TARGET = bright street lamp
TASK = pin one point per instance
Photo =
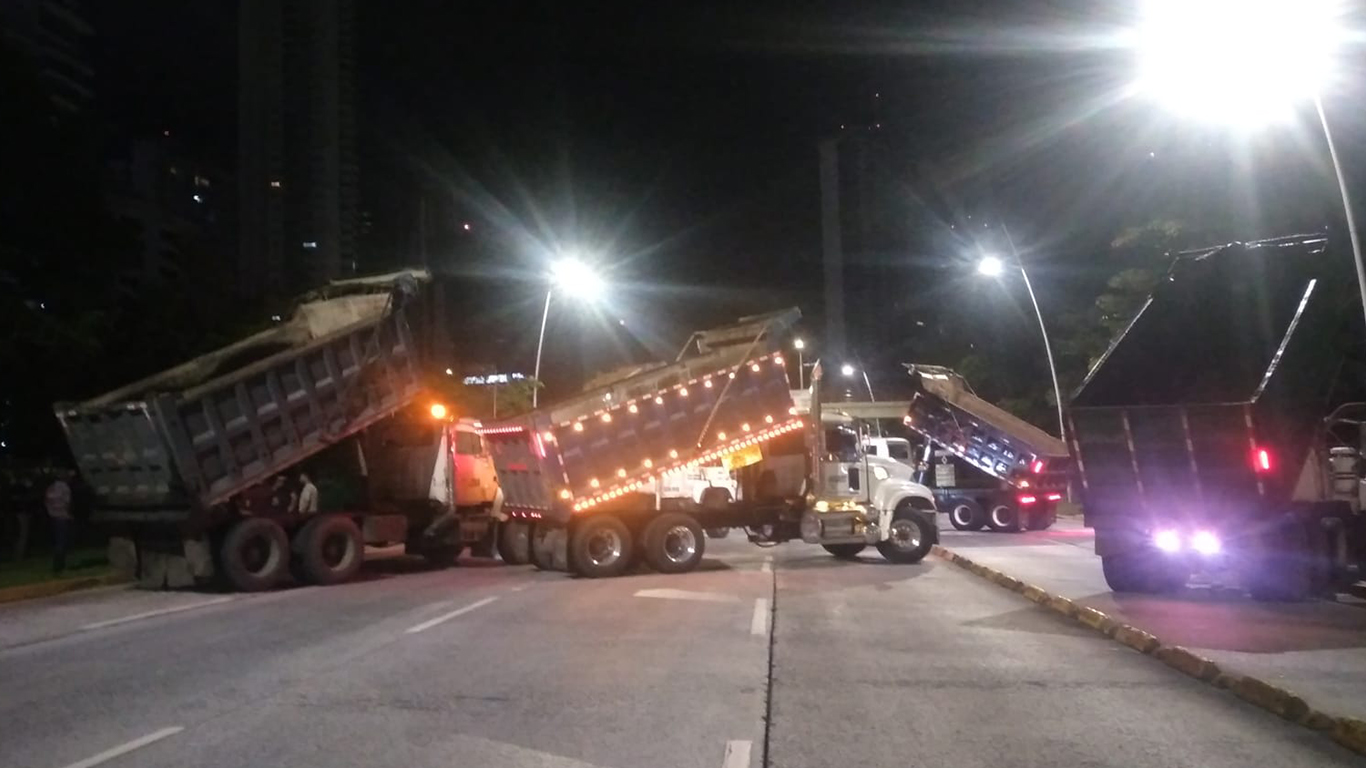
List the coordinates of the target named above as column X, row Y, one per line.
column 1246, row 63
column 992, row 266
column 575, row 279
column 800, row 345
column 847, row 369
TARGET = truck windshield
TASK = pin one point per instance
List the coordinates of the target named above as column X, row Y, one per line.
column 898, row 449
column 468, row 444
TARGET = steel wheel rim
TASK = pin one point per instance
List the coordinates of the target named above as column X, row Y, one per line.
column 962, row 515
column 604, row 548
column 680, row 544
column 1001, row 520
column 904, row 534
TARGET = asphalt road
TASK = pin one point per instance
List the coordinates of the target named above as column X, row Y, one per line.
column 1315, row 648
column 798, row 661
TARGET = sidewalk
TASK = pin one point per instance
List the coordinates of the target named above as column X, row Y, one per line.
column 1315, row 649
column 33, row 577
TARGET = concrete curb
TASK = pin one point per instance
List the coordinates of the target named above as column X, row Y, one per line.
column 60, row 587
column 1347, row 731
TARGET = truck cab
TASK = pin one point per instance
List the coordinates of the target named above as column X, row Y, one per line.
column 894, row 448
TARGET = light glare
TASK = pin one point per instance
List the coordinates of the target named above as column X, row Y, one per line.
column 1168, row 541
column 991, row 266
column 577, row 279
column 1240, row 62
column 1205, row 543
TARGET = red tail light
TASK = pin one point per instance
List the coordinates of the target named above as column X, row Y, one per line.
column 1028, row 499
column 1037, row 466
column 1054, row 497
column 1262, row 461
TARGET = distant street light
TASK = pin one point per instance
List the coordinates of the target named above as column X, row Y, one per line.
column 847, row 369
column 992, row 266
column 575, row 279
column 1247, row 63
column 800, row 345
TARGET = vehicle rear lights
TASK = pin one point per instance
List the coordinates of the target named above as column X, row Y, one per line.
column 1028, row 499
column 1037, row 466
column 1167, row 541
column 1054, row 497
column 1205, row 543
column 1261, row 460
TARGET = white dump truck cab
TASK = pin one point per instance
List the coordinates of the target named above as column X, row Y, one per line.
column 894, row 448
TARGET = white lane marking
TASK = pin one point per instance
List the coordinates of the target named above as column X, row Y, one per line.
column 767, row 567
column 448, row 616
column 158, row 612
column 123, row 749
column 758, row 624
column 683, row 594
column 737, row 754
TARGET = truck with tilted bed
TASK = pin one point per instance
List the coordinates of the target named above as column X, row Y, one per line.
column 1221, row 433
column 582, row 473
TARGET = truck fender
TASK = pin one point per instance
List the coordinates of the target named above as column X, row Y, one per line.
column 890, row 495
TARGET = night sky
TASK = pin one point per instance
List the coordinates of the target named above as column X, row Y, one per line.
column 675, row 144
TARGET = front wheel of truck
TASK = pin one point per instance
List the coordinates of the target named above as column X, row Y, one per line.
column 254, row 554
column 600, row 546
column 909, row 537
column 673, row 543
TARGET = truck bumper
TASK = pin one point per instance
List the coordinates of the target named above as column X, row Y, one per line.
column 838, row 527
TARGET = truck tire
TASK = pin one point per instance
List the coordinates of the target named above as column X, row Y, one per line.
column 1142, row 572
column 910, row 537
column 673, row 543
column 254, row 554
column 966, row 514
column 540, row 551
column 1004, row 518
column 1042, row 522
column 845, row 551
column 718, row 533
column 513, row 543
column 1288, row 564
column 328, row 550
column 600, row 546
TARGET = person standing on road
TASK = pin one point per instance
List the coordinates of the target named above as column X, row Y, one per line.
column 57, row 499
column 308, row 495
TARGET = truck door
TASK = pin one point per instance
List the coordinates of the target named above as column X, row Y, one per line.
column 476, row 482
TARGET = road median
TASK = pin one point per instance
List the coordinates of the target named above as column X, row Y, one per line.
column 1346, row 731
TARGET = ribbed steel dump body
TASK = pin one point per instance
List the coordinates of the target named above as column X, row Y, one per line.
column 728, row 395
column 1234, row 354
column 192, row 436
column 945, row 410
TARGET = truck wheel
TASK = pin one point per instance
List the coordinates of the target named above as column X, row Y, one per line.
column 1286, row 568
column 909, row 537
column 718, row 533
column 845, row 551
column 1004, row 518
column 966, row 515
column 600, row 546
column 255, row 554
column 1142, row 572
column 673, row 543
column 328, row 550
column 513, row 543
column 539, row 549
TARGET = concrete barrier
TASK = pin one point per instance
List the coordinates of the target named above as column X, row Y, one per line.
column 1346, row 731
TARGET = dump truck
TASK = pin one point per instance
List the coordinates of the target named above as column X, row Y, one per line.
column 1221, row 432
column 193, row 470
column 987, row 466
column 582, row 473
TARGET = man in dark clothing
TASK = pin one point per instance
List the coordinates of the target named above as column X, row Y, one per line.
column 57, row 499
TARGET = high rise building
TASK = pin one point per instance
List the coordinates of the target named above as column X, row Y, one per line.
column 56, row 35
column 297, row 177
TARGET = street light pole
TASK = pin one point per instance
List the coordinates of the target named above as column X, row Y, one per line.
column 1346, row 201
column 800, row 345
column 540, row 343
column 1043, row 330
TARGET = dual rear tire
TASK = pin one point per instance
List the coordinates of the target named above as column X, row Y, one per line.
column 603, row 545
column 257, row 554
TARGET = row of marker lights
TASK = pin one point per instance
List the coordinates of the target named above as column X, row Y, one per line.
column 606, row 416
column 710, row 456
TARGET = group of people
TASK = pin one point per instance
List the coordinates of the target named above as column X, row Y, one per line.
column 26, row 496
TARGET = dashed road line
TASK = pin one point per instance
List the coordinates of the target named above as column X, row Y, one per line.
column 737, row 754
column 448, row 616
column 158, row 612
column 758, row 623
column 687, row 594
column 126, row 747
column 767, row 567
